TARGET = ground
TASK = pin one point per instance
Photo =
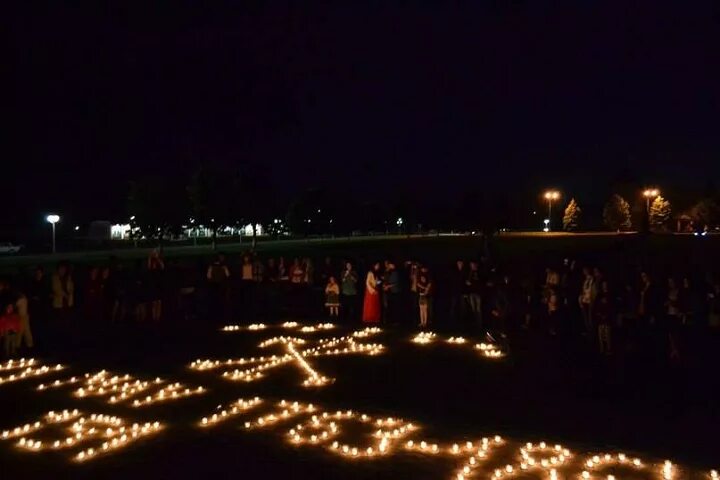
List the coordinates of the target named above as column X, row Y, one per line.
column 540, row 391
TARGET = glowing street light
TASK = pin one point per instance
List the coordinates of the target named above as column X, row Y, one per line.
column 52, row 219
column 649, row 193
column 551, row 195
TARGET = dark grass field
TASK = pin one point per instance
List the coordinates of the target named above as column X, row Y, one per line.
column 521, row 252
column 542, row 391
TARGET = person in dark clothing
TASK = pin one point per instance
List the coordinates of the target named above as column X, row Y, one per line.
column 155, row 284
column 218, row 276
column 327, row 270
column 349, row 293
column 391, row 289
column 271, row 272
column 117, row 292
column 458, row 288
column 39, row 296
column 604, row 318
column 474, row 288
column 500, row 306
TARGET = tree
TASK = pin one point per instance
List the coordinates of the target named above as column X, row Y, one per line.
column 212, row 197
column 571, row 219
column 253, row 184
column 157, row 206
column 659, row 213
column 616, row 214
column 705, row 213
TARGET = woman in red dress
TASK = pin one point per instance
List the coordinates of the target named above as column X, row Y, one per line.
column 371, row 306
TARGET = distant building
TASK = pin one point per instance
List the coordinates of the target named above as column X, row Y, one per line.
column 124, row 231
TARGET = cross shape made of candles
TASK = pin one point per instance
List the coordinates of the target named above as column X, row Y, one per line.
column 255, row 367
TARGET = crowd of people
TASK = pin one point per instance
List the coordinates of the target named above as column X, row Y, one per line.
column 611, row 312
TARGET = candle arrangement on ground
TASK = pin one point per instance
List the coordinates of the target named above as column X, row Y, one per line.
column 294, row 353
column 423, row 338
column 119, row 388
column 238, row 407
column 487, row 350
column 110, row 431
column 254, row 327
column 345, row 433
column 23, row 369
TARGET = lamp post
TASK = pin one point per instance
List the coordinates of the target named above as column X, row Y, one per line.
column 550, row 195
column 649, row 193
column 52, row 219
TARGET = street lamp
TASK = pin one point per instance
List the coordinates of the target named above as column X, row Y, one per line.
column 551, row 195
column 648, row 194
column 547, row 225
column 52, row 219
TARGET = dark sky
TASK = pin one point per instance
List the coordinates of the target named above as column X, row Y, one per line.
column 437, row 97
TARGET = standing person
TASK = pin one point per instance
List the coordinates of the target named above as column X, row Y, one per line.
column 271, row 272
column 430, row 292
column 627, row 309
column 155, row 266
column 9, row 328
column 297, row 273
column 413, row 272
column 604, row 315
column 247, row 288
column 690, row 303
column 473, row 287
column 424, row 286
column 552, row 280
column 218, row 276
column 106, row 284
column 119, row 290
column 246, row 270
column 258, row 297
column 309, row 276
column 392, row 292
column 326, row 271
column 570, row 283
column 553, row 311
column 587, row 300
column 500, row 306
column 332, row 297
column 713, row 305
column 349, row 292
column 94, row 296
column 24, row 334
column 258, row 270
column 646, row 303
column 371, row 305
column 458, row 290
column 282, row 270
column 673, row 318
column 63, row 291
column 39, row 295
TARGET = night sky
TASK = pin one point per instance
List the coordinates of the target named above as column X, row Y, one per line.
column 386, row 99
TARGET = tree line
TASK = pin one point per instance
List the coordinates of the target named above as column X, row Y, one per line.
column 617, row 215
column 218, row 196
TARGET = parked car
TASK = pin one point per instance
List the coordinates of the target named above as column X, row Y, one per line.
column 7, row 248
